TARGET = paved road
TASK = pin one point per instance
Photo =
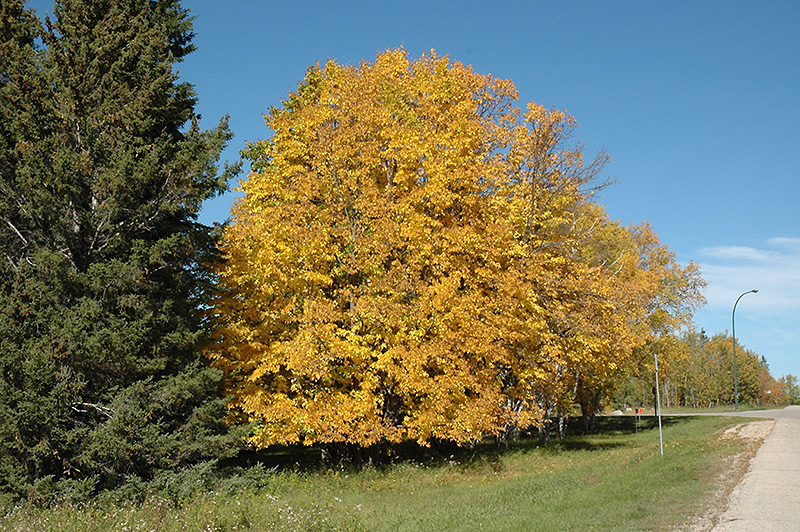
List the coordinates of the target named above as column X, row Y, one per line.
column 768, row 497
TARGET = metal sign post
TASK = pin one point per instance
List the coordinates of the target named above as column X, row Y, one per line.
column 658, row 408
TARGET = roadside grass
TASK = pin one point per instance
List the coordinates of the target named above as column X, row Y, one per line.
column 613, row 481
column 743, row 408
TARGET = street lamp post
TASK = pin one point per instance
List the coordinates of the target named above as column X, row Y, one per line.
column 733, row 332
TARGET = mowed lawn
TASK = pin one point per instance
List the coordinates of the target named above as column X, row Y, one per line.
column 616, row 480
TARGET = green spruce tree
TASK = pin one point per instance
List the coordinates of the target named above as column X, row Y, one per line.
column 103, row 169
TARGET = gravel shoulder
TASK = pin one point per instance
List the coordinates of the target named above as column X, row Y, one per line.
column 732, row 472
column 759, row 489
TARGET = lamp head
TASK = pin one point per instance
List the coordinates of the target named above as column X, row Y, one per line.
column 754, row 291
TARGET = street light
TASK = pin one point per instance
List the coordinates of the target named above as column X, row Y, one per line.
column 733, row 332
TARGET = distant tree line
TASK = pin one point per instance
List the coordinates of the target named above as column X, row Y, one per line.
column 697, row 372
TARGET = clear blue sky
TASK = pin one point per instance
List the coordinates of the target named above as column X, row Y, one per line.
column 697, row 102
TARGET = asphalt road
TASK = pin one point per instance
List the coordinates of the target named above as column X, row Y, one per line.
column 768, row 497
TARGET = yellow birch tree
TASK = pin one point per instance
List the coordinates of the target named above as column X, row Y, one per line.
column 417, row 258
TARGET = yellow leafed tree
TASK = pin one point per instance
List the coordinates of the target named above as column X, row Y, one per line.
column 409, row 261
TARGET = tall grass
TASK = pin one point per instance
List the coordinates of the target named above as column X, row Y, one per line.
column 615, row 481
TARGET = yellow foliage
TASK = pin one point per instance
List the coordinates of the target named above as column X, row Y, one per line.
column 416, row 258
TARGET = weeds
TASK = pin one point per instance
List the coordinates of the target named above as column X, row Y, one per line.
column 612, row 481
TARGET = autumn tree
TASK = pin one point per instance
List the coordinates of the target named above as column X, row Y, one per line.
column 699, row 373
column 356, row 303
column 417, row 258
column 789, row 390
column 602, row 291
column 103, row 168
column 667, row 294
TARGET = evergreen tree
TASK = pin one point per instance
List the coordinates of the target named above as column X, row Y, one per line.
column 103, row 168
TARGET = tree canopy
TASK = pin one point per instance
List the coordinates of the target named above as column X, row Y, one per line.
column 415, row 257
column 103, row 168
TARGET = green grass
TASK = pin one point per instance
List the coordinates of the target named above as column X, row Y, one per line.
column 612, row 481
column 719, row 409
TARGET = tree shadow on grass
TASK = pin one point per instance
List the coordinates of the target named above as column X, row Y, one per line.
column 631, row 424
column 608, row 435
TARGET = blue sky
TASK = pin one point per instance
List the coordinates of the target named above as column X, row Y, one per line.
column 698, row 104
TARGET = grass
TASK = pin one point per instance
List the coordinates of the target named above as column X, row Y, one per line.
column 613, row 481
column 719, row 409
